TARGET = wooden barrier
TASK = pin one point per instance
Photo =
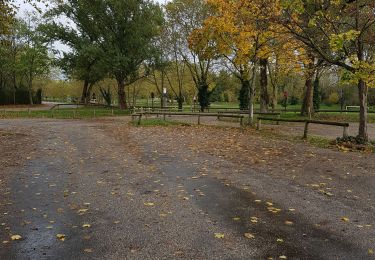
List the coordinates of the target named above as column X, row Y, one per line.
column 199, row 115
column 307, row 122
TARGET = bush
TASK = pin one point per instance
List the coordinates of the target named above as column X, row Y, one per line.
column 334, row 98
column 294, row 100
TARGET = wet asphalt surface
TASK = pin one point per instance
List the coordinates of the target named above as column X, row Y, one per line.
column 121, row 192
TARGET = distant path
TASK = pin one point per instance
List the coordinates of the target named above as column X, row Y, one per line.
column 121, row 192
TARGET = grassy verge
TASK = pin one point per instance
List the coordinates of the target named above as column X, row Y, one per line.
column 67, row 113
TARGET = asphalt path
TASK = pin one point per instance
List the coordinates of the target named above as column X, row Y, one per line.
column 102, row 189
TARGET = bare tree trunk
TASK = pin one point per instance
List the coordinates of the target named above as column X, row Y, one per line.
column 307, row 108
column 121, row 94
column 251, row 96
column 84, row 92
column 30, row 92
column 362, row 91
column 264, row 99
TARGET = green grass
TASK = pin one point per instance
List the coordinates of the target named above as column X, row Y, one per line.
column 68, row 113
column 158, row 122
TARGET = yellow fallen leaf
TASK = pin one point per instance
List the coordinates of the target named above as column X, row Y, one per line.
column 236, row 219
column 345, row 219
column 292, row 210
column 82, row 210
column 16, row 237
column 249, row 235
column 258, row 201
column 116, row 222
column 289, row 223
column 370, row 251
column 282, row 257
column 269, row 203
column 88, row 250
column 149, row 204
column 86, row 225
column 254, row 220
column 219, row 235
column 61, row 237
column 280, row 240
column 5, row 242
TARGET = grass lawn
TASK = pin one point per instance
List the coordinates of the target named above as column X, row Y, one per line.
column 67, row 113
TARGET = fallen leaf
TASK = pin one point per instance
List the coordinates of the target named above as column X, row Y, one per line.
column 345, row 219
column 289, row 223
column 61, row 237
column 149, row 204
column 86, row 225
column 249, row 235
column 16, row 237
column 88, row 250
column 282, row 257
column 219, row 235
column 280, row 240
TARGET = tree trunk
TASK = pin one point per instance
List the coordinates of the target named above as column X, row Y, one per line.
column 84, row 92
column 362, row 91
column 244, row 94
column 264, row 99
column 203, row 95
column 251, row 96
column 180, row 100
column 31, row 92
column 88, row 94
column 121, row 94
column 307, row 108
column 274, row 98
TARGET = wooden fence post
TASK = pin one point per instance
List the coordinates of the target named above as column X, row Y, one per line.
column 259, row 124
column 199, row 119
column 306, row 130
column 139, row 119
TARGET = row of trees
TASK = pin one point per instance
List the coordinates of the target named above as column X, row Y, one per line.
column 261, row 42
column 23, row 57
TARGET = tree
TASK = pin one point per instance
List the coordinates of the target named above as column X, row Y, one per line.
column 127, row 30
column 184, row 17
column 243, row 34
column 342, row 33
column 85, row 59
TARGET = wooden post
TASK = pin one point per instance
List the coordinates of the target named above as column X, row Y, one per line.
column 241, row 121
column 139, row 119
column 112, row 111
column 306, row 130
column 259, row 124
column 164, row 116
column 345, row 134
column 199, row 119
